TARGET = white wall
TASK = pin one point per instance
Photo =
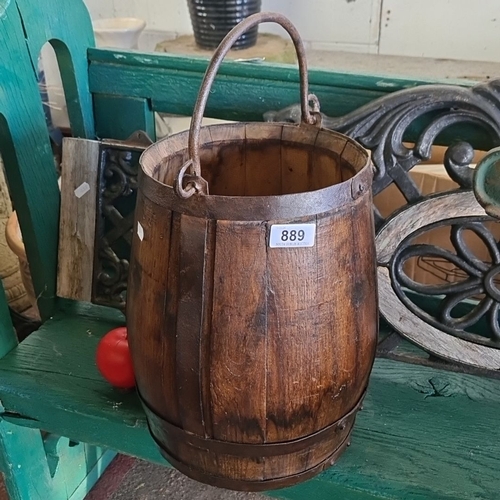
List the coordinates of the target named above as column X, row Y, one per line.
column 453, row 29
column 341, row 24
column 462, row 29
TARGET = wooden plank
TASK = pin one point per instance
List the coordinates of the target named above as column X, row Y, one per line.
column 294, row 365
column 15, row 463
column 263, row 159
column 79, row 186
column 238, row 346
column 172, row 82
column 225, row 160
column 326, row 165
column 152, row 273
column 238, row 359
column 262, row 71
column 323, row 490
column 292, row 353
column 190, row 322
column 342, row 284
column 174, row 91
column 297, row 153
column 207, row 327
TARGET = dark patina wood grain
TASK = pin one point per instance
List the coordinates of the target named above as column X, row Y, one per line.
column 252, row 361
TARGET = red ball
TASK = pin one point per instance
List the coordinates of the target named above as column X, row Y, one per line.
column 113, row 359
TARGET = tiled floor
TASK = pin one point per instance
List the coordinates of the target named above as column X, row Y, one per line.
column 130, row 479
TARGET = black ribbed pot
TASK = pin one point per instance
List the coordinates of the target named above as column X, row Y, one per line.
column 213, row 19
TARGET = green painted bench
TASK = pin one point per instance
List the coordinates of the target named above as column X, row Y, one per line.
column 425, row 432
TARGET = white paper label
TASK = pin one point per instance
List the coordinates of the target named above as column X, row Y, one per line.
column 82, row 189
column 140, row 231
column 292, row 235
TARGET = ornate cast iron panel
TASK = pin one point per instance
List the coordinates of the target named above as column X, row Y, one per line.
column 118, row 169
column 458, row 320
column 478, row 279
column 423, row 115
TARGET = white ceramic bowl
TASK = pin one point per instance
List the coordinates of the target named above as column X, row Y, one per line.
column 118, row 32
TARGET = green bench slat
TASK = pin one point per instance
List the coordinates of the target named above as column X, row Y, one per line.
column 423, row 433
column 241, row 91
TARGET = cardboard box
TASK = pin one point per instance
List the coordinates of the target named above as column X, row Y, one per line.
column 434, row 270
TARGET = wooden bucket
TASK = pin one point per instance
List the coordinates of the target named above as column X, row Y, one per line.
column 252, row 310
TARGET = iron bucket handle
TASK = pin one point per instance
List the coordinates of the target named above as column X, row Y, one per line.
column 195, row 183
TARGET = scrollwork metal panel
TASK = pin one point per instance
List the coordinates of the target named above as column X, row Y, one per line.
column 460, row 323
column 426, row 113
column 118, row 170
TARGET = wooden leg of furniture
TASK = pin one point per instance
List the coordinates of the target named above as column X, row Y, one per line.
column 43, row 467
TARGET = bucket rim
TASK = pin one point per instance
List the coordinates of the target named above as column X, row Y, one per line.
column 265, row 207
